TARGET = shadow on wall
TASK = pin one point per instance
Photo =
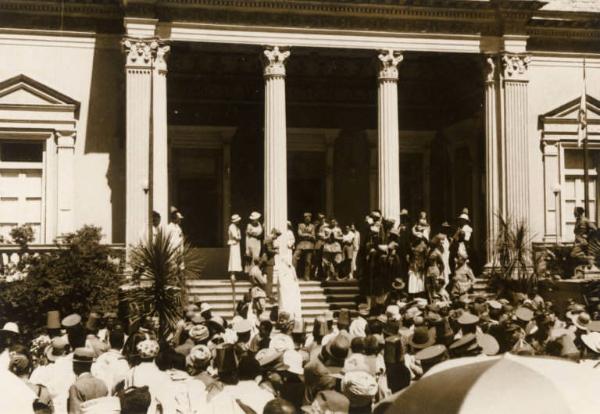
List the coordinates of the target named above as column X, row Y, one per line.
column 106, row 125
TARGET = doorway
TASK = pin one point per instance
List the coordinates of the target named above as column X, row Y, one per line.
column 306, row 183
column 197, row 193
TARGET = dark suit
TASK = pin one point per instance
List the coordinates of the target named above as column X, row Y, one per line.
column 305, row 248
column 269, row 261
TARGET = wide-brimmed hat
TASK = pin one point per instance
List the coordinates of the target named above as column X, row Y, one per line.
column 339, row 347
column 592, row 341
column 242, row 326
column 53, row 319
column 360, row 387
column 468, row 318
column 57, row 348
column 10, row 328
column 255, row 215
column 524, row 314
column 293, row 360
column 328, row 401
column 581, row 321
column 83, row 355
column 422, row 337
column 398, row 284
column 269, row 358
column 574, row 309
column 236, row 218
column 488, row 344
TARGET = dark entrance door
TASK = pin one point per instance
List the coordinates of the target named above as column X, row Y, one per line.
column 198, row 195
column 412, row 195
column 306, row 183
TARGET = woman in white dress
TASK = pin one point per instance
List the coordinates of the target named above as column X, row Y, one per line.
column 235, row 255
column 287, row 282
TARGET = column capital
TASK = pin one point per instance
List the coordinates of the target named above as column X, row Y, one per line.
column 515, row 65
column 65, row 138
column 389, row 60
column 274, row 61
column 145, row 52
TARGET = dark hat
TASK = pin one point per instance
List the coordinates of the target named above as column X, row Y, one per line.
column 445, row 224
column 391, row 327
column 344, row 317
column 53, row 319
column 18, row 363
column 83, row 355
column 92, row 321
column 339, row 347
column 432, row 355
column 422, row 337
column 434, row 318
column 524, row 314
column 444, row 330
column 71, row 321
column 320, row 327
column 398, row 284
column 363, row 309
column 488, row 344
column 467, row 343
column 226, row 359
column 284, row 319
column 393, row 350
column 468, row 319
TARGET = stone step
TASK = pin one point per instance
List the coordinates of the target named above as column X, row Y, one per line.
column 240, row 283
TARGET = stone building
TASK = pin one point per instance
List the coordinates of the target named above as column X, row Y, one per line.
column 110, row 109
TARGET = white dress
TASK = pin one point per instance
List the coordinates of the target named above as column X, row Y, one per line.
column 446, row 260
column 235, row 255
column 289, row 288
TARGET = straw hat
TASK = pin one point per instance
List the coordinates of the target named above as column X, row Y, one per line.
column 592, row 341
column 236, row 218
column 255, row 215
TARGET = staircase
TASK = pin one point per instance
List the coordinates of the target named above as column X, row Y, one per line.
column 218, row 294
column 342, row 294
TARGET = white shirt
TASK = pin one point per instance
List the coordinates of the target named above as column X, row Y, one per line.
column 58, row 378
column 148, row 374
column 111, row 367
column 248, row 392
column 174, row 231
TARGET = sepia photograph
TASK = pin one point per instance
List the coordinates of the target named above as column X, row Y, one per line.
column 299, row 206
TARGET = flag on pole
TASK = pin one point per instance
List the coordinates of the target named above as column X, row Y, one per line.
column 582, row 116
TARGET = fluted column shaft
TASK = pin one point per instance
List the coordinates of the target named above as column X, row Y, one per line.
column 160, row 146
column 388, row 153
column 492, row 165
column 516, row 161
column 275, row 181
column 138, row 70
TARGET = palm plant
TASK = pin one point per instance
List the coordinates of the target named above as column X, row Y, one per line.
column 512, row 265
column 160, row 269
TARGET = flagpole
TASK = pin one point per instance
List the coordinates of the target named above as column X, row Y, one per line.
column 586, row 175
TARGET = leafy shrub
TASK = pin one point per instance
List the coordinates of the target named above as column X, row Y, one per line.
column 22, row 235
column 80, row 276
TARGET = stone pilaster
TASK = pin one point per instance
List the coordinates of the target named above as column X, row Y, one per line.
column 516, row 161
column 388, row 145
column 275, row 159
column 65, row 150
column 160, row 146
column 138, row 69
column 551, row 191
column 492, row 160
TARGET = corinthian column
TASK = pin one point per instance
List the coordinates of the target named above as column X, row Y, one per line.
column 515, row 151
column 275, row 186
column 388, row 146
column 160, row 146
column 492, row 165
column 138, row 70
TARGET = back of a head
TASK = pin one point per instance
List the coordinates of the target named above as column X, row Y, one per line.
column 248, row 368
column 135, row 400
column 116, row 338
column 279, row 406
column 76, row 337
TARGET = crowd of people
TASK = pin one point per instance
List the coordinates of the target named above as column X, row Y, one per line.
column 266, row 361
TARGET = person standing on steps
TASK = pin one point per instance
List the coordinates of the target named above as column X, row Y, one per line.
column 303, row 256
column 254, row 235
column 235, row 256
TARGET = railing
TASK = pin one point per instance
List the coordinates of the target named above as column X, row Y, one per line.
column 12, row 254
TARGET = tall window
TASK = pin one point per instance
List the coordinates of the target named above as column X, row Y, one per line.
column 21, row 186
column 573, row 187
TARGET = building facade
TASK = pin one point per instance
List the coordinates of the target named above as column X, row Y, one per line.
column 111, row 109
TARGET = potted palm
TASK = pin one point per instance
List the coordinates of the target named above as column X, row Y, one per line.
column 159, row 272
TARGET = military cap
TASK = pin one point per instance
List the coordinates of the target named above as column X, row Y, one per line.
column 524, row 314
column 242, row 326
column 468, row 319
column 83, row 355
column 467, row 343
column 488, row 344
column 72, row 320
